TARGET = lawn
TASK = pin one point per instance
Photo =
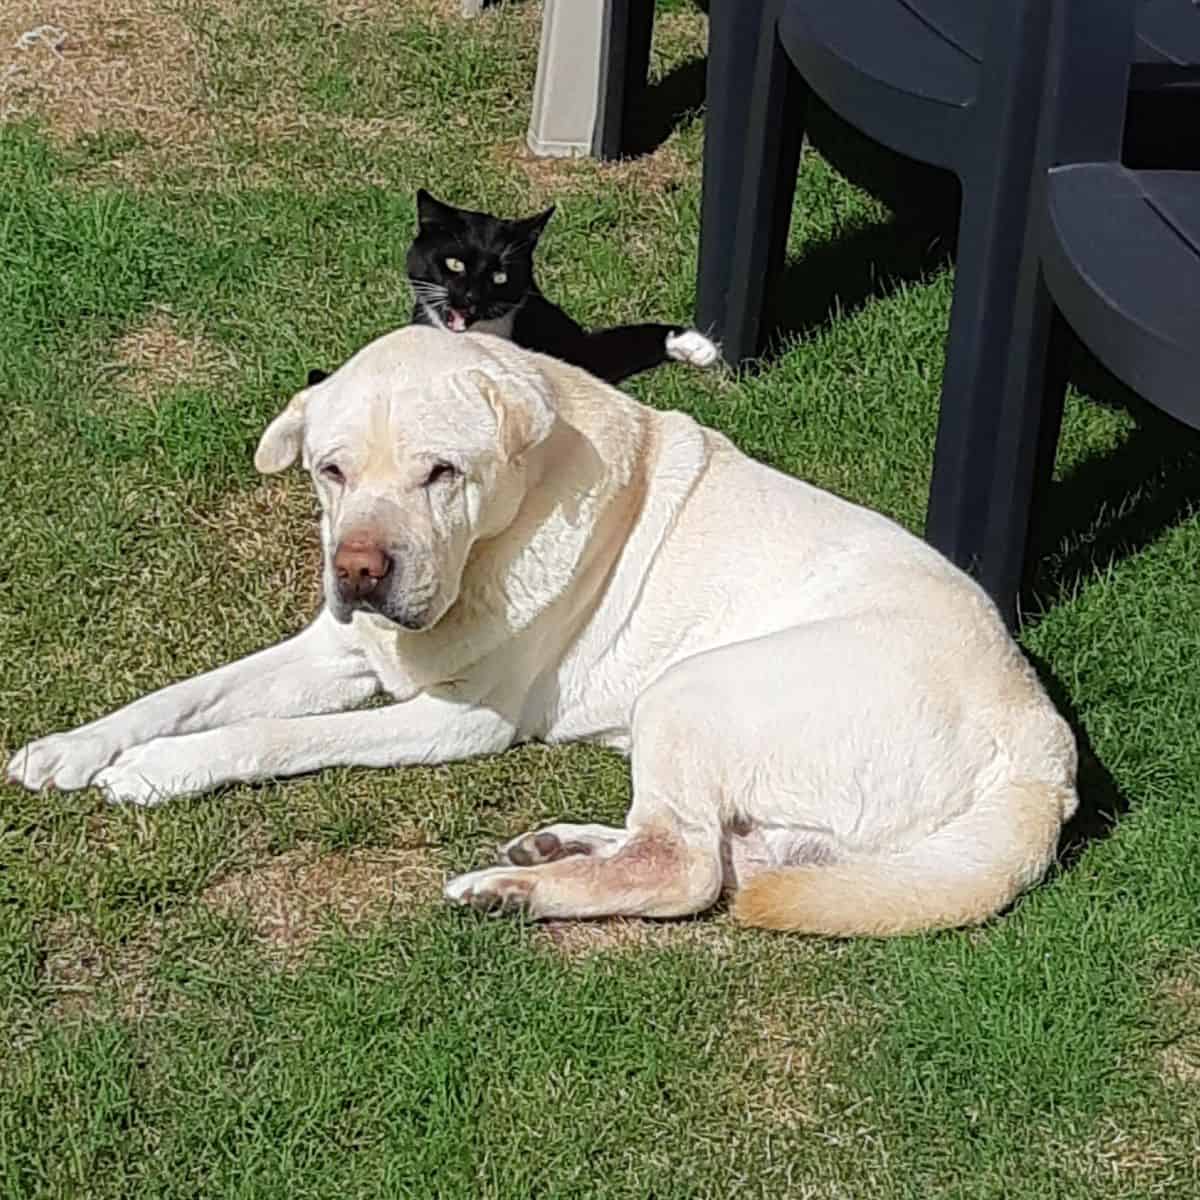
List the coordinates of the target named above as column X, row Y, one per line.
column 260, row 993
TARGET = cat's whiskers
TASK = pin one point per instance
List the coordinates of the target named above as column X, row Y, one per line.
column 431, row 292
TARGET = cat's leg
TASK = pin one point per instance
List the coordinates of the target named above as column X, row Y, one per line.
column 617, row 353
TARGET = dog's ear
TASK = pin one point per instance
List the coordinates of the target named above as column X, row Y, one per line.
column 279, row 445
column 524, row 412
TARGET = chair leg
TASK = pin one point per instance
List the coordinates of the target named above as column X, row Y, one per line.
column 995, row 381
column 1030, row 420
column 1001, row 404
column 743, row 258
column 628, row 29
column 1054, row 395
column 734, row 31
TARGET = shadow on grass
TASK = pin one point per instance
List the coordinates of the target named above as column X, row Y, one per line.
column 1101, row 802
column 835, row 278
column 664, row 106
column 1114, row 504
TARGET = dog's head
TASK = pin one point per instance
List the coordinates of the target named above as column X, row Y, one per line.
column 417, row 448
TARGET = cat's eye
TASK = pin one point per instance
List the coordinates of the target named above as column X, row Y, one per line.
column 440, row 470
column 456, row 265
column 333, row 473
column 500, row 277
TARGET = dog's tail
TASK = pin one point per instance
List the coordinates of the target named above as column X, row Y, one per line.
column 971, row 868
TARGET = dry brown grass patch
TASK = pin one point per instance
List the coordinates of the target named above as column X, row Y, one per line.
column 79, row 968
column 782, row 1065
column 156, row 356
column 552, row 178
column 270, row 534
column 1115, row 1157
column 386, row 12
column 290, row 899
column 112, row 64
column 1179, row 1062
column 579, row 939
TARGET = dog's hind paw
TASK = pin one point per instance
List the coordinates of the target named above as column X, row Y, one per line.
column 693, row 348
column 491, row 890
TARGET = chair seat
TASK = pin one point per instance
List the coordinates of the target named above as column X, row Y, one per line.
column 902, row 79
column 1168, row 32
column 906, row 71
column 1122, row 261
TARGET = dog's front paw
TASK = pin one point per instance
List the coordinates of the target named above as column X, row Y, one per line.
column 151, row 773
column 693, row 348
column 492, row 890
column 65, row 761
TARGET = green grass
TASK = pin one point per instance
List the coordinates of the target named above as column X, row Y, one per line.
column 154, row 1046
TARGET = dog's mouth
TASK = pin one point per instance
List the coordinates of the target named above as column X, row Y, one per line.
column 410, row 620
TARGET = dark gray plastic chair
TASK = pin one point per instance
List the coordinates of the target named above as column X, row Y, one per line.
column 955, row 83
column 628, row 29
column 1113, row 252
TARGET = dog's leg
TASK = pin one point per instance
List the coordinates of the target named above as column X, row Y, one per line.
column 665, row 863
column 318, row 670
column 419, row 731
column 655, row 873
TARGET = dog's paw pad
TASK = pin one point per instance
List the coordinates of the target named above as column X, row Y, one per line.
column 534, row 849
column 693, row 348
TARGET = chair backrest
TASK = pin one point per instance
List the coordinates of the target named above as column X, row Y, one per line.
column 1063, row 66
column 1092, row 45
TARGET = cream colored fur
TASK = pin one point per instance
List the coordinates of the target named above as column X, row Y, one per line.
column 824, row 716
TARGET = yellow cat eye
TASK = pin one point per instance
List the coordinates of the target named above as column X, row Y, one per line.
column 456, row 265
column 500, row 277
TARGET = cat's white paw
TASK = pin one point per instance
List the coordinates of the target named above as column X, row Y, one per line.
column 693, row 348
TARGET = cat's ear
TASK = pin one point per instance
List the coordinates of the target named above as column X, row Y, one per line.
column 315, row 376
column 531, row 227
column 432, row 212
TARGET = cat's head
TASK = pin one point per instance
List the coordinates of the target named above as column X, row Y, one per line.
column 466, row 266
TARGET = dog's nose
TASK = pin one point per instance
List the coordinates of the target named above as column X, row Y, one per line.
column 359, row 565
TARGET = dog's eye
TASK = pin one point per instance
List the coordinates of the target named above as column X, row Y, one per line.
column 333, row 473
column 442, row 470
column 500, row 277
column 456, row 265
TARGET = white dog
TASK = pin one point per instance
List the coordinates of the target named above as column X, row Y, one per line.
column 824, row 715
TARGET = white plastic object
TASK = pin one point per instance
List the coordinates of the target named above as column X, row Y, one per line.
column 566, row 94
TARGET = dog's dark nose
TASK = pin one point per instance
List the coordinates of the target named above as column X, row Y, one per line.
column 359, row 565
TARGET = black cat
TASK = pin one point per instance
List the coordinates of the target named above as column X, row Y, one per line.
column 469, row 270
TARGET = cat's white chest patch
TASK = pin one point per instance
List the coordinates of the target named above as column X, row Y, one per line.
column 498, row 327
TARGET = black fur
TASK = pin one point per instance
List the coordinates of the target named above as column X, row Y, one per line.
column 485, row 246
